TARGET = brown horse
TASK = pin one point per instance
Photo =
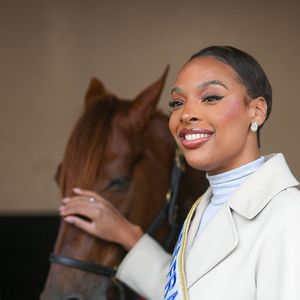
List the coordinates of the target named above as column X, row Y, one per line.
column 124, row 151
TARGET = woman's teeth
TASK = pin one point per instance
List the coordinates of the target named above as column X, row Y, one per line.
column 196, row 136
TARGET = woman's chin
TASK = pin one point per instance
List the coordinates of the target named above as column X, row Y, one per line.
column 197, row 163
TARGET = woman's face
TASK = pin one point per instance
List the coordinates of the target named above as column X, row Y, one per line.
column 211, row 116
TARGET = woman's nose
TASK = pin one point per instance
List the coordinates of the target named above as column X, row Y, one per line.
column 190, row 115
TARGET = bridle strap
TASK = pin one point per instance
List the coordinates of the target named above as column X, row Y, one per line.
column 169, row 210
column 82, row 265
column 154, row 227
column 177, row 169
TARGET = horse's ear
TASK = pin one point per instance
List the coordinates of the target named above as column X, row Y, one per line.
column 95, row 92
column 145, row 103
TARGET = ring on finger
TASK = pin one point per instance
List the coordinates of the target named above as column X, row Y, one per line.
column 92, row 200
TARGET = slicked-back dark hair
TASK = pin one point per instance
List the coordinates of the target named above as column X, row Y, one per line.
column 249, row 71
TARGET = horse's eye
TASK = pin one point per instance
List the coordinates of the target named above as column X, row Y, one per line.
column 119, row 184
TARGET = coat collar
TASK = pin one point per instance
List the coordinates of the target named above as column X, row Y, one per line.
column 220, row 236
column 270, row 179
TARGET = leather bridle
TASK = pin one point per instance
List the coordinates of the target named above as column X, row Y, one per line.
column 168, row 212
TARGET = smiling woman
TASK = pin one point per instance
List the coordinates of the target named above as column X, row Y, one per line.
column 241, row 239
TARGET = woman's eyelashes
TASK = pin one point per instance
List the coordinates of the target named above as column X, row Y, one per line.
column 212, row 98
column 175, row 104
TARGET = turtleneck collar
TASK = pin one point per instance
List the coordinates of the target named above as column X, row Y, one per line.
column 224, row 184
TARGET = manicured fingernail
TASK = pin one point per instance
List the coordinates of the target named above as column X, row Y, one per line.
column 61, row 212
column 66, row 200
column 68, row 219
column 77, row 190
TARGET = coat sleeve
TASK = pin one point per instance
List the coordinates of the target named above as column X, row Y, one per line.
column 144, row 269
column 278, row 276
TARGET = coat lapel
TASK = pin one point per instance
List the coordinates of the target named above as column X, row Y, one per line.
column 204, row 201
column 207, row 250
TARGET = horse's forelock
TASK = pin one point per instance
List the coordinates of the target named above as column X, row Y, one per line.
column 85, row 147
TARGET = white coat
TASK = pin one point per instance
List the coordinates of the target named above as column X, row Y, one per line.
column 249, row 251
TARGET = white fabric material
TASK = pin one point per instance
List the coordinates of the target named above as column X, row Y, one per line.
column 224, row 185
column 249, row 250
column 145, row 268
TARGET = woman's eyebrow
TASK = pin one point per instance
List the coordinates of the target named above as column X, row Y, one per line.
column 201, row 86
column 176, row 90
column 211, row 82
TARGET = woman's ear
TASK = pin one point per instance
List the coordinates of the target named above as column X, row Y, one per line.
column 259, row 109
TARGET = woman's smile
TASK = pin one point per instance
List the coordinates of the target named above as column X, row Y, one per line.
column 195, row 137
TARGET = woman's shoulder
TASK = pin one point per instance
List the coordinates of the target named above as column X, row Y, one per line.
column 290, row 196
column 285, row 207
column 293, row 193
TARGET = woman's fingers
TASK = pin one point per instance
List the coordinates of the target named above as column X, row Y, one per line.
column 87, row 193
column 73, row 204
column 100, row 212
column 80, row 223
column 80, row 200
column 78, row 209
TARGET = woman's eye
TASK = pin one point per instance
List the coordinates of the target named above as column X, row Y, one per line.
column 174, row 104
column 211, row 98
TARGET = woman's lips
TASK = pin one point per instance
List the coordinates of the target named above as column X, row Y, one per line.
column 194, row 138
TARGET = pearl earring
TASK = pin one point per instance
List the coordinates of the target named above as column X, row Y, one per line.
column 254, row 126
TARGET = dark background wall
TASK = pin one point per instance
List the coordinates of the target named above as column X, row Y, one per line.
column 26, row 242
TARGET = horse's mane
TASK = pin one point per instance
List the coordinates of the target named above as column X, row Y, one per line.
column 85, row 147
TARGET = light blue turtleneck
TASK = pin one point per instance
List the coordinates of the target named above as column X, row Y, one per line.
column 224, row 185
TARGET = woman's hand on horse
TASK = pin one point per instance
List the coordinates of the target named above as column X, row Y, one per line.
column 104, row 220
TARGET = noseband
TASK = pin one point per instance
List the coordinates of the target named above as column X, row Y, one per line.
column 168, row 212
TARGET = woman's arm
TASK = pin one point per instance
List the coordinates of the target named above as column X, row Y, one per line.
column 145, row 268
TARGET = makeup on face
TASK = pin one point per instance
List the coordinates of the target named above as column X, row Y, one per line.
column 209, row 118
column 205, row 94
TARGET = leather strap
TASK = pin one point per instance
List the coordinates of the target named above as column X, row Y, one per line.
column 82, row 265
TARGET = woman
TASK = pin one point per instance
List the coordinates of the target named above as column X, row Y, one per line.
column 242, row 240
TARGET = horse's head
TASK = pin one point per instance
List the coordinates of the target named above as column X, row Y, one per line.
column 123, row 150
